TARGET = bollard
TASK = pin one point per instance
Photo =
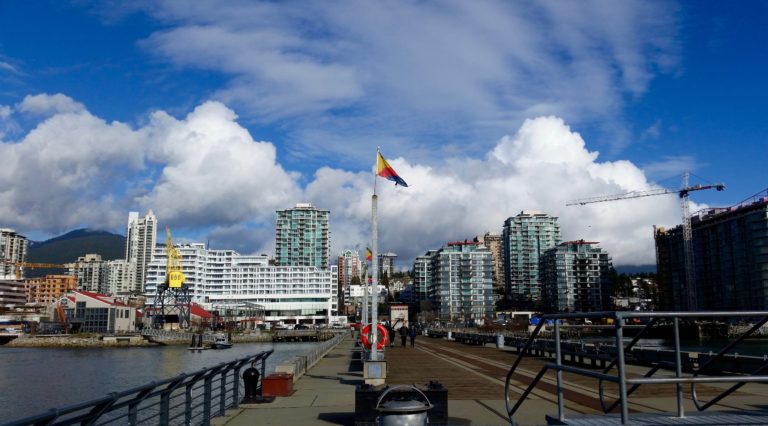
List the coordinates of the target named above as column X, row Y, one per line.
column 499, row 341
column 252, row 389
column 449, row 335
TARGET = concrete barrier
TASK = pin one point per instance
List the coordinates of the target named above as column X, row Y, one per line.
column 300, row 364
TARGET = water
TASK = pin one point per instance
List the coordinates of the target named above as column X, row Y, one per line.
column 33, row 380
column 754, row 347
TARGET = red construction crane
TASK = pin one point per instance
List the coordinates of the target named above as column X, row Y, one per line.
column 687, row 233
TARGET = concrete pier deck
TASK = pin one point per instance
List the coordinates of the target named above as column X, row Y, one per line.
column 474, row 377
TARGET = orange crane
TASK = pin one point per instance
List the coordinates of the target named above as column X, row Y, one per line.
column 687, row 232
column 31, row 265
column 62, row 317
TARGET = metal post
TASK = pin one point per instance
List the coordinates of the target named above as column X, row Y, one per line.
column 207, row 400
column 559, row 374
column 223, row 392
column 236, row 387
column 621, row 370
column 678, row 370
column 366, row 302
column 375, row 275
column 188, row 403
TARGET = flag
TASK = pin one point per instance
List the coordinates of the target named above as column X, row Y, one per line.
column 384, row 170
column 368, row 254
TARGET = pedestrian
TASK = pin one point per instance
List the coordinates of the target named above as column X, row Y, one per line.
column 412, row 334
column 391, row 331
column 403, row 334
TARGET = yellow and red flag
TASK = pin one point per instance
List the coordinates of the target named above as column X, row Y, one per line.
column 368, row 254
column 384, row 170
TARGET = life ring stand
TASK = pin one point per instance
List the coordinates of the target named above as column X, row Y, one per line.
column 381, row 331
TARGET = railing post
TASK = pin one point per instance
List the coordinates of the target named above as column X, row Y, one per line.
column 223, row 391
column 207, row 400
column 621, row 369
column 678, row 369
column 165, row 399
column 559, row 374
column 134, row 405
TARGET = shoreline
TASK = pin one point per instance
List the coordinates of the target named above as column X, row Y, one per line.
column 110, row 341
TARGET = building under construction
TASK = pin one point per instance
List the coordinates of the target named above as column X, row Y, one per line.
column 730, row 252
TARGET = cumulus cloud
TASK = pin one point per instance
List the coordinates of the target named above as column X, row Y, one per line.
column 540, row 167
column 74, row 169
column 206, row 177
column 45, row 104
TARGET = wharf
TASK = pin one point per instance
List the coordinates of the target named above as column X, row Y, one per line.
column 475, row 377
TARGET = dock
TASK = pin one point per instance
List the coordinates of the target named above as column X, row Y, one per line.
column 475, row 378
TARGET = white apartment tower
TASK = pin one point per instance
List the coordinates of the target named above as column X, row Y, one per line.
column 13, row 249
column 139, row 245
column 524, row 240
column 303, row 237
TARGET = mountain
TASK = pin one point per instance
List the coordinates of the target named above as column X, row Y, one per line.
column 68, row 247
column 635, row 269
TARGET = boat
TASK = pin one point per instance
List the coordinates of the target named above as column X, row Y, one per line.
column 221, row 341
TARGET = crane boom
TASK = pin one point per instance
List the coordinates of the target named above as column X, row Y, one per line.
column 686, row 216
column 639, row 194
column 32, row 265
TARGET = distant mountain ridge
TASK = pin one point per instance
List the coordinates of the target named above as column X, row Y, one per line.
column 68, row 247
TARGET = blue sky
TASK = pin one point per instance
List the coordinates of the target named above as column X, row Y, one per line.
column 215, row 116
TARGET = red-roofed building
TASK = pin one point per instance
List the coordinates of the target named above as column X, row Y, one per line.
column 199, row 317
column 89, row 312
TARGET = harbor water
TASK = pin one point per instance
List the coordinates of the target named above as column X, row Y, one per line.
column 34, row 380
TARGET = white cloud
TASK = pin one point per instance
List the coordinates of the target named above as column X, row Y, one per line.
column 205, row 175
column 75, row 169
column 8, row 67
column 540, row 167
column 45, row 104
column 421, row 72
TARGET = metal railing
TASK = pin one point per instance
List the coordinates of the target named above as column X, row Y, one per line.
column 187, row 399
column 619, row 362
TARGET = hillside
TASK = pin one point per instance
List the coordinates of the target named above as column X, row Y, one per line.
column 68, row 247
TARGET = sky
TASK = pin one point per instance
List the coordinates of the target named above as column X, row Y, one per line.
column 215, row 115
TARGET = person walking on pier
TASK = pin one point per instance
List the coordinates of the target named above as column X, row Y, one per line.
column 412, row 334
column 391, row 331
column 403, row 333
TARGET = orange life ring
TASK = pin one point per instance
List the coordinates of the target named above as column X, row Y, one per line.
column 381, row 332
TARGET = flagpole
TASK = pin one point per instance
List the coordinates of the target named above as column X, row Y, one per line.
column 364, row 320
column 375, row 264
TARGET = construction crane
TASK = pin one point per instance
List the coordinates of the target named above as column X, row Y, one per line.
column 686, row 216
column 20, row 265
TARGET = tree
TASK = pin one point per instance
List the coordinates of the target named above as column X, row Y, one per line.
column 385, row 280
column 355, row 280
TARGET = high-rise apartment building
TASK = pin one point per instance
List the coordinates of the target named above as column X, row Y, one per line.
column 117, row 277
column 13, row 249
column 303, row 237
column 525, row 237
column 462, row 282
column 575, row 278
column 493, row 242
column 422, row 277
column 386, row 264
column 730, row 254
column 349, row 267
column 139, row 244
column 91, row 273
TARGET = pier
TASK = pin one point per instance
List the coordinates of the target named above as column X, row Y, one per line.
column 488, row 383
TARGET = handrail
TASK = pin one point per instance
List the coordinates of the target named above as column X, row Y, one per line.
column 619, row 362
column 719, row 355
column 131, row 406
